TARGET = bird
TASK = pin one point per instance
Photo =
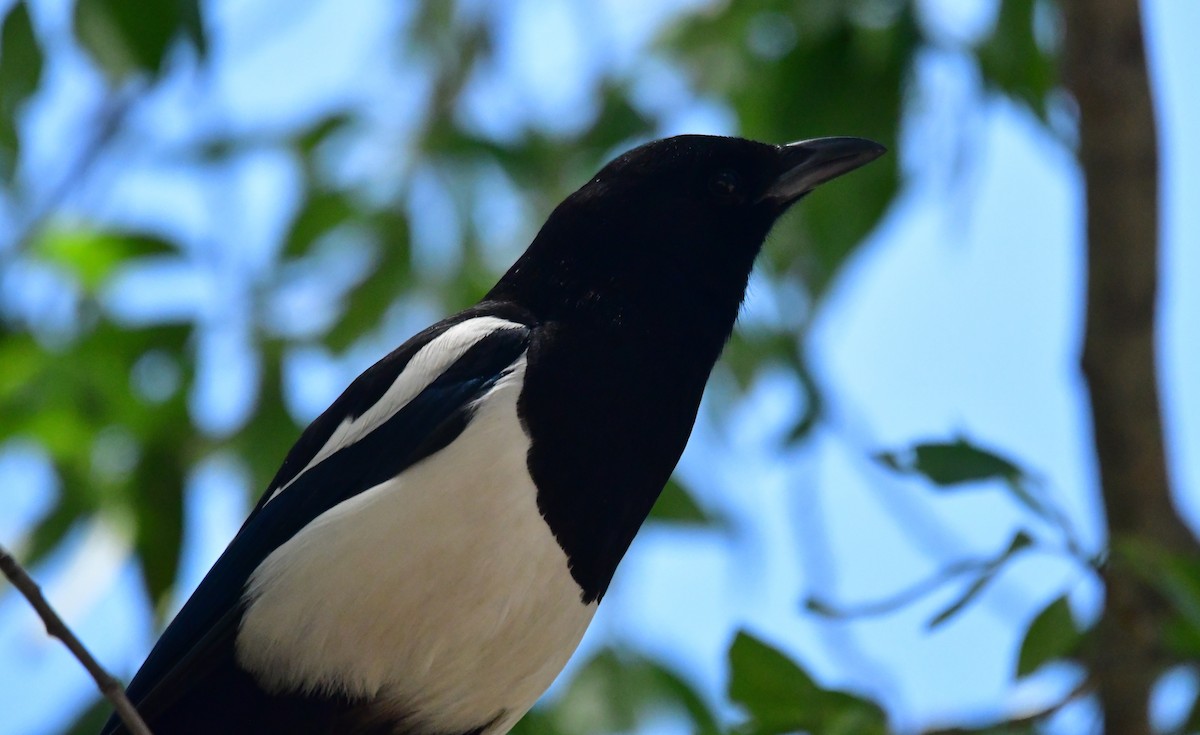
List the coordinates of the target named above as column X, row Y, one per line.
column 435, row 544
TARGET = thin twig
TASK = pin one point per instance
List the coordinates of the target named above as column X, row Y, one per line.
column 983, row 567
column 109, row 686
column 897, row 600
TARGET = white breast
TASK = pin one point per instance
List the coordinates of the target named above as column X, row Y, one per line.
column 441, row 592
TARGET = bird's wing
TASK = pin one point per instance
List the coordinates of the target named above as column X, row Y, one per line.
column 406, row 407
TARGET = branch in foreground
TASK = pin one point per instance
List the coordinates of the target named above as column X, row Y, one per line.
column 109, row 686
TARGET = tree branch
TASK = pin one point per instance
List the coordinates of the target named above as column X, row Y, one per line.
column 109, row 686
column 1105, row 69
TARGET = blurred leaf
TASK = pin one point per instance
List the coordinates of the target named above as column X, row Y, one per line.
column 66, row 434
column 1051, row 636
column 21, row 65
column 780, row 697
column 958, row 463
column 775, row 691
column 1012, row 61
column 675, row 505
column 320, row 213
column 955, row 463
column 91, row 255
column 1175, row 577
column 1020, row 540
column 124, row 36
column 388, row 280
column 1182, row 638
column 1002, row 728
column 74, row 406
column 21, row 361
column 271, row 431
column 48, row 532
column 191, row 22
column 158, row 487
column 814, row 403
column 311, row 138
column 92, row 718
column 538, row 721
column 749, row 350
column 617, row 692
column 619, row 121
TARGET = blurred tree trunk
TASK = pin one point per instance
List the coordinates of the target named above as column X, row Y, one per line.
column 1105, row 68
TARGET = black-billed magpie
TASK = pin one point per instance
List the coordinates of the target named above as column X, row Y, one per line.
column 435, row 544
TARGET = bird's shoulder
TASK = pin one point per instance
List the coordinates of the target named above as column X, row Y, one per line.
column 392, row 382
column 408, row 405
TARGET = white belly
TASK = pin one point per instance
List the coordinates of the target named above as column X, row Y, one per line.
column 441, row 593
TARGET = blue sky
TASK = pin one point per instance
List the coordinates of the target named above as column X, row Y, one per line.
column 961, row 316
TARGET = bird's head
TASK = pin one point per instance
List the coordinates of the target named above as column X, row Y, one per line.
column 672, row 227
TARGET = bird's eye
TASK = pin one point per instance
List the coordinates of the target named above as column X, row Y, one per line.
column 725, row 184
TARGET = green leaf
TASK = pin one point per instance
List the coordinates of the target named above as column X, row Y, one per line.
column 321, row 213
column 21, row 361
column 814, row 402
column 1182, row 638
column 781, row 697
column 310, row 139
column 1012, row 61
column 1176, row 577
column 618, row 120
column 778, row 694
column 271, row 431
column 675, row 505
column 52, row 529
column 959, row 462
column 389, row 279
column 158, row 487
column 92, row 718
column 127, row 36
column 1052, row 635
column 93, row 256
column 617, row 692
column 749, row 350
column 954, row 464
column 191, row 23
column 21, row 65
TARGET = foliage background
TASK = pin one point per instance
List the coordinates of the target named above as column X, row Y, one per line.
column 216, row 214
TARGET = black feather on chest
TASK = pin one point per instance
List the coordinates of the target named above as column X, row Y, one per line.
column 608, row 418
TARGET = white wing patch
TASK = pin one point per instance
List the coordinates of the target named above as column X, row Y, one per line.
column 440, row 594
column 430, row 361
